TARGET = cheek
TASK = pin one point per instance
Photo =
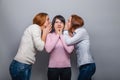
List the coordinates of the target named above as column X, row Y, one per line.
column 55, row 27
column 63, row 26
column 69, row 24
column 46, row 23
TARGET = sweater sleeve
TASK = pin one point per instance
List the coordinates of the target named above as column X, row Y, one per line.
column 36, row 35
column 70, row 48
column 51, row 41
column 75, row 39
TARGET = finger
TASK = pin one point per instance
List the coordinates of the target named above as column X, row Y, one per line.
column 50, row 30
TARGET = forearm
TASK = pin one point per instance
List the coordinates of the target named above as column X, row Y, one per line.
column 50, row 43
column 70, row 48
column 74, row 39
column 44, row 37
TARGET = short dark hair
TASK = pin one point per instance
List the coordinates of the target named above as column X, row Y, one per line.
column 60, row 17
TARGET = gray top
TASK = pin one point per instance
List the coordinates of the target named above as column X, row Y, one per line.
column 81, row 41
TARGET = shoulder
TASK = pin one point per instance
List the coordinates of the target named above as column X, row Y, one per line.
column 50, row 35
column 34, row 26
column 81, row 30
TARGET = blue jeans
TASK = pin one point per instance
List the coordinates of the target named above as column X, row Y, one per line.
column 86, row 71
column 20, row 71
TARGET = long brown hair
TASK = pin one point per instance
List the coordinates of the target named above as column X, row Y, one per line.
column 40, row 19
column 76, row 22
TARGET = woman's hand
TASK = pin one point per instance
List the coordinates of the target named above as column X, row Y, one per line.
column 46, row 30
column 66, row 26
column 60, row 31
column 71, row 34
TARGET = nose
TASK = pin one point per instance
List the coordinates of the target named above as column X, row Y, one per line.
column 59, row 23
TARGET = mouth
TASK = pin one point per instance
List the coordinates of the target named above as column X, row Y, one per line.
column 59, row 26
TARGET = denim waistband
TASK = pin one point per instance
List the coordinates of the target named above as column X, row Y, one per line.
column 17, row 62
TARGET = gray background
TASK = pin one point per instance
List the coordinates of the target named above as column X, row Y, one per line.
column 102, row 20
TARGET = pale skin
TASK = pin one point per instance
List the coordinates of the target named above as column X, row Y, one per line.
column 46, row 28
column 58, row 26
column 68, row 26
